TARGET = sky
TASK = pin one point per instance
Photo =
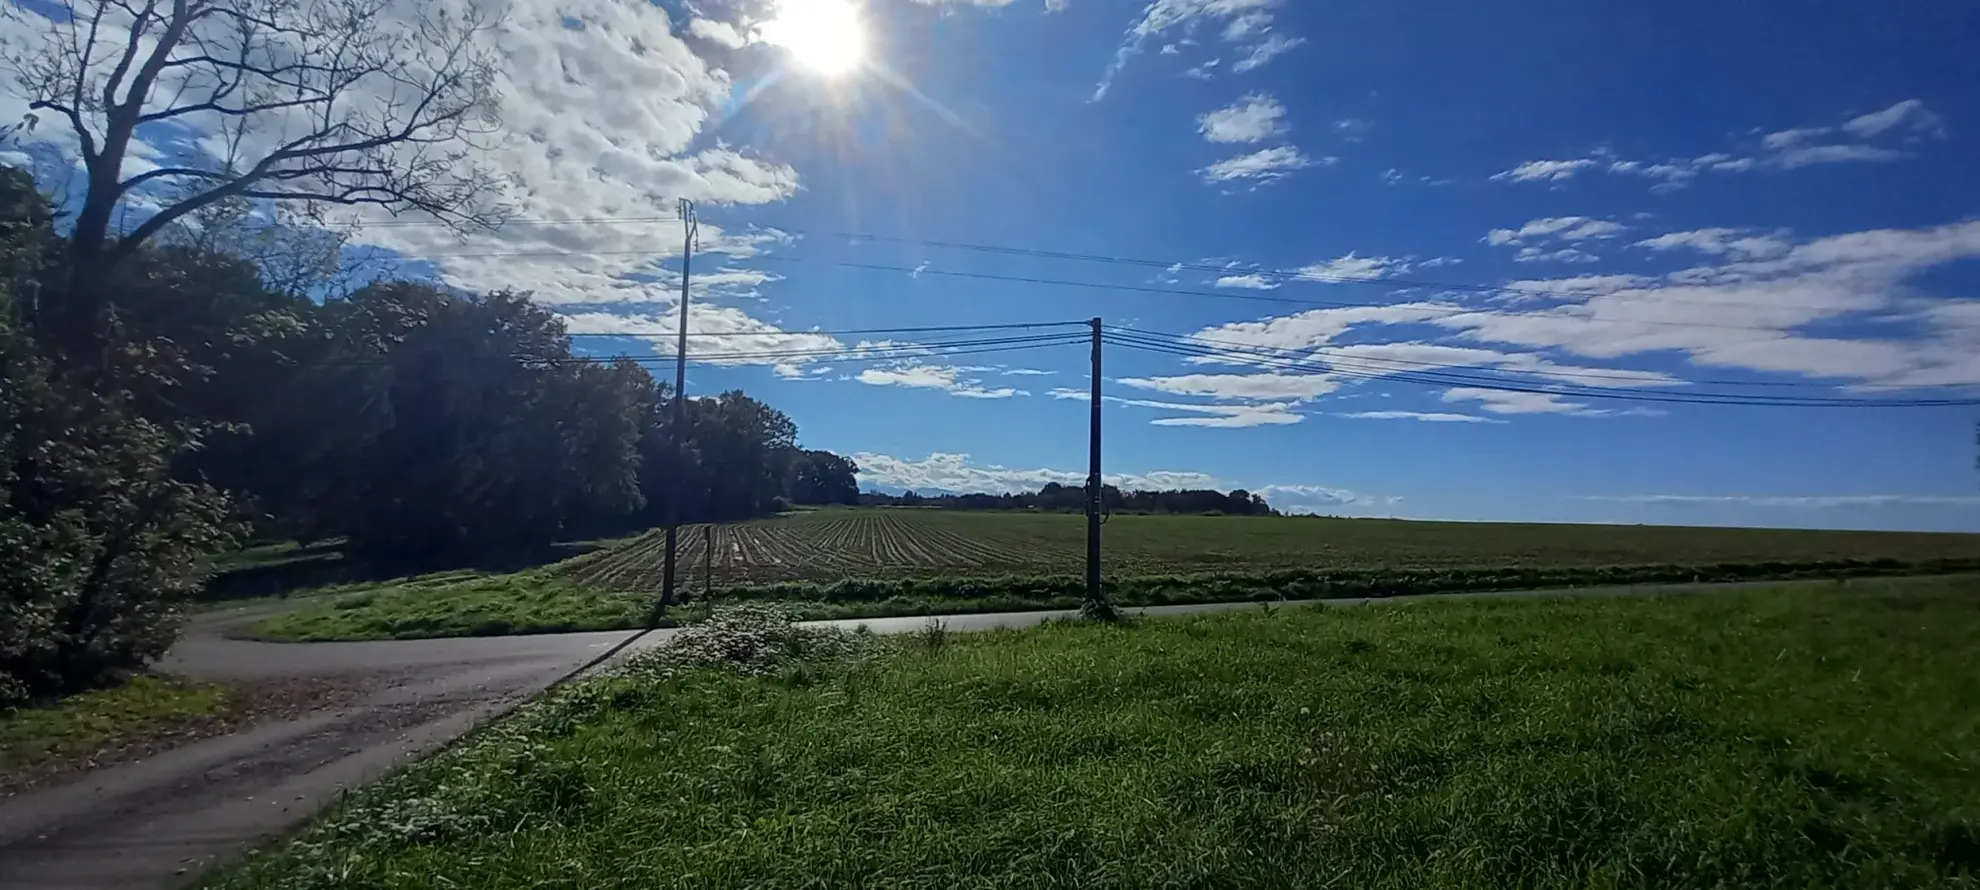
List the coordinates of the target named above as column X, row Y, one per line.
column 1537, row 261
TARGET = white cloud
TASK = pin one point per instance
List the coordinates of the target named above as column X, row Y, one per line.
column 1424, row 416
column 1262, row 166
column 1311, row 498
column 1028, row 372
column 1315, row 327
column 1747, row 312
column 1788, row 149
column 946, row 378
column 1254, row 118
column 713, row 31
column 1563, row 255
column 1562, row 228
column 1232, row 417
column 1791, row 138
column 955, row 472
column 1241, row 387
column 1545, row 171
column 1350, row 267
column 1834, row 154
column 1811, row 502
column 1910, row 114
column 1500, row 401
column 1736, row 243
column 1252, row 281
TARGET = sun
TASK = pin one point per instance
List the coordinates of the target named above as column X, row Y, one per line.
column 823, row 35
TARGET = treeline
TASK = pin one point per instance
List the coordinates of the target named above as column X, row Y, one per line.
column 1071, row 499
column 211, row 401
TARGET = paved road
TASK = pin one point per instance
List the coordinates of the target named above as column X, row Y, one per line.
column 155, row 823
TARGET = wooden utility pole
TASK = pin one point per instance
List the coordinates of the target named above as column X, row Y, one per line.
column 689, row 230
column 1095, row 604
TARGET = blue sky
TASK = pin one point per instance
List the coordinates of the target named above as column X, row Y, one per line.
column 1574, row 200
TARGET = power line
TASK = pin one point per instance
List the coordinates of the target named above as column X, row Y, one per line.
column 852, row 354
column 1352, row 370
column 1432, row 310
column 1282, row 275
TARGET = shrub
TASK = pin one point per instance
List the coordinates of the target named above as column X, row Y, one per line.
column 99, row 546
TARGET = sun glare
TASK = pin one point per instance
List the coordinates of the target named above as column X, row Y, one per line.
column 822, row 35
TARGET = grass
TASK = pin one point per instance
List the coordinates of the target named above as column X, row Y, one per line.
column 84, row 724
column 470, row 604
column 1802, row 737
column 454, row 604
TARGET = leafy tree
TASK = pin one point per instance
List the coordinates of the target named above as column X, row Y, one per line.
column 821, row 477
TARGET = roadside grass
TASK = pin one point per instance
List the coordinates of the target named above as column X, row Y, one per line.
column 80, row 725
column 1799, row 737
column 547, row 601
column 454, row 604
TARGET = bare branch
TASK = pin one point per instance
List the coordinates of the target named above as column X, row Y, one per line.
column 300, row 102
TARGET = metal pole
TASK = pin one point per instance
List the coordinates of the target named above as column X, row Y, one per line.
column 708, row 566
column 1096, row 605
column 680, row 409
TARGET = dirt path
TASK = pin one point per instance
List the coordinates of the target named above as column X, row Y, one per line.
column 158, row 821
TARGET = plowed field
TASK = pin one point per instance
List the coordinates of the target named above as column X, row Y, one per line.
column 828, row 545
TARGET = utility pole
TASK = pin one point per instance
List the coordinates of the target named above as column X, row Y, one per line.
column 1095, row 605
column 688, row 231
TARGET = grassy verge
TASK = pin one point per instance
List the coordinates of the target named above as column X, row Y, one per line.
column 455, row 604
column 35, row 739
column 1794, row 738
column 470, row 604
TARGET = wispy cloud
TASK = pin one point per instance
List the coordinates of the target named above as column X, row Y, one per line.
column 1251, row 281
column 1424, row 416
column 1246, row 26
column 1788, row 149
column 1254, row 118
column 1262, row 166
column 945, row 378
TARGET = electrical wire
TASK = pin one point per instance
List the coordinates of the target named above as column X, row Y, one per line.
column 1280, row 275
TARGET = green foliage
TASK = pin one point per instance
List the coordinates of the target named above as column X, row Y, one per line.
column 455, row 604
column 1794, row 738
column 101, row 544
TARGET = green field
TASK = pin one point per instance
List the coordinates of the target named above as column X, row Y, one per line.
column 1817, row 736
column 827, row 545
column 856, row 563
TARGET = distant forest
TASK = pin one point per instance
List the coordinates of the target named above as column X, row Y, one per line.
column 1058, row 498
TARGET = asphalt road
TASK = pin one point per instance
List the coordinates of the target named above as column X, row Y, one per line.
column 156, row 823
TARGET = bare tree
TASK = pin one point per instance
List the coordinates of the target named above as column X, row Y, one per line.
column 309, row 103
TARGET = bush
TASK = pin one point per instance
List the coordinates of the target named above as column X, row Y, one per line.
column 99, row 546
